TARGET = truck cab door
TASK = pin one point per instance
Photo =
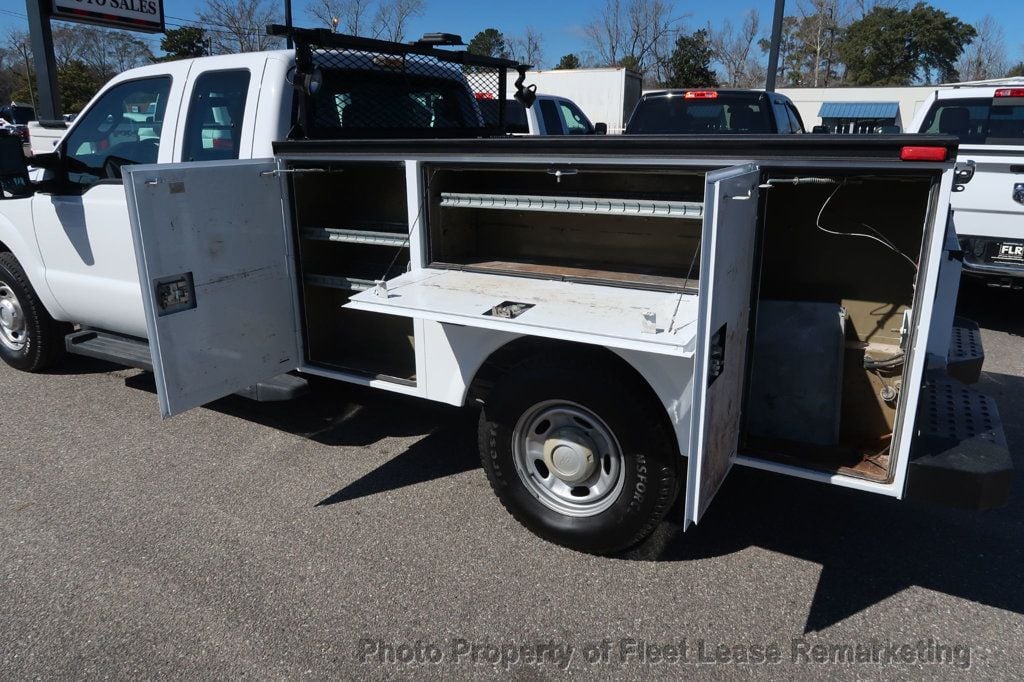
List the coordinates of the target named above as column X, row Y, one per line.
column 728, row 245
column 214, row 263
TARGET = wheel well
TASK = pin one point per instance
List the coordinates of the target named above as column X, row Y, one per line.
column 3, row 248
column 512, row 353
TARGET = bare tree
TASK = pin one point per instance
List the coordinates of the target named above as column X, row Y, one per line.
column 67, row 45
column 985, row 56
column 733, row 48
column 127, row 51
column 527, row 49
column 634, row 33
column 393, row 17
column 820, row 21
column 353, row 15
column 19, row 45
column 239, row 25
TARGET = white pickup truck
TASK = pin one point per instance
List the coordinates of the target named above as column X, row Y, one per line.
column 68, row 248
column 636, row 314
column 988, row 198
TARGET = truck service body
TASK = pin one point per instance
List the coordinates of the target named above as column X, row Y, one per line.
column 630, row 312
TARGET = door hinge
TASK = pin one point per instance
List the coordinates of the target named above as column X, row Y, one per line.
column 300, row 171
column 963, row 172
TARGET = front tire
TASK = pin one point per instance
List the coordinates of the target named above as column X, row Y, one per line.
column 579, row 453
column 30, row 340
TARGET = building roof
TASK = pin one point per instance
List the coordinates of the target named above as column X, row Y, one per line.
column 855, row 110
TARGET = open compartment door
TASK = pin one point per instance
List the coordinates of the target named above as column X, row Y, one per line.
column 726, row 273
column 213, row 257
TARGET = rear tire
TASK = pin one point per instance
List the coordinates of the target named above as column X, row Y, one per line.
column 30, row 340
column 579, row 453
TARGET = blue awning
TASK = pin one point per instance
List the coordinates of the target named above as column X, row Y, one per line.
column 858, row 110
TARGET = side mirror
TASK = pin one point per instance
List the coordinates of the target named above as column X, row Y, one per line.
column 601, row 128
column 14, row 182
column 47, row 161
column 820, row 130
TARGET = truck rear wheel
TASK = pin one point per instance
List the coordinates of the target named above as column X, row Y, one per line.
column 578, row 454
column 29, row 338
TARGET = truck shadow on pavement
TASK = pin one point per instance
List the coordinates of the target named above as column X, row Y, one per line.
column 335, row 414
column 869, row 547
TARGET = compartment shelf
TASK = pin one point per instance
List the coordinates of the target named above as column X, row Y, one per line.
column 648, row 208
column 335, row 282
column 356, row 236
column 647, row 321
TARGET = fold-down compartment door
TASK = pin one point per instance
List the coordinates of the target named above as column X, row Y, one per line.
column 213, row 259
column 728, row 243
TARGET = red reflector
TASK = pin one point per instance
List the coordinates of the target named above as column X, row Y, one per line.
column 701, row 94
column 484, row 95
column 1010, row 92
column 923, row 154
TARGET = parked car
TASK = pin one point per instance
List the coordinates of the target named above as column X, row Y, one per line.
column 549, row 115
column 16, row 117
column 714, row 112
column 988, row 204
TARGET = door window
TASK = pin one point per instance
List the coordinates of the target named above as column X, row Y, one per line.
column 123, row 127
column 214, row 125
column 794, row 119
column 552, row 119
column 782, row 118
column 576, row 122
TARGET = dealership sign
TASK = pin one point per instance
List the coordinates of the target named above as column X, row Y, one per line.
column 133, row 15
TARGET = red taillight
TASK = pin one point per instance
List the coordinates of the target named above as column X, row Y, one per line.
column 1010, row 92
column 484, row 95
column 923, row 153
column 223, row 143
column 701, row 94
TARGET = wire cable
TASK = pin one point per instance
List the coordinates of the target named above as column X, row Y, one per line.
column 877, row 236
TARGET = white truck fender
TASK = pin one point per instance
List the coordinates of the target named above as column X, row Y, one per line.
column 15, row 212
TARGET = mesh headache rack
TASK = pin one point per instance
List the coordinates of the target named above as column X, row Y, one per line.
column 353, row 87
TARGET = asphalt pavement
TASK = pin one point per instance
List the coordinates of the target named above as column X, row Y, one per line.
column 352, row 533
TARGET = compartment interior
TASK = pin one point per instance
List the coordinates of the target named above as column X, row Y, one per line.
column 847, row 295
column 351, row 228
column 870, row 283
column 642, row 231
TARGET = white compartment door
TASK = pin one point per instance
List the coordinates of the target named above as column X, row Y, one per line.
column 214, row 264
column 726, row 273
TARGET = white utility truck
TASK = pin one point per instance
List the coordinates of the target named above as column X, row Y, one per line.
column 634, row 314
column 988, row 192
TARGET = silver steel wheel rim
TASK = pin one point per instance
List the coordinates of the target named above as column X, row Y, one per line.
column 13, row 331
column 550, row 444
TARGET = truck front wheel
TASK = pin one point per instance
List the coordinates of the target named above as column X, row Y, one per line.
column 577, row 454
column 29, row 338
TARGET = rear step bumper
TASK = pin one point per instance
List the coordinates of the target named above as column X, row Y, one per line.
column 959, row 457
column 134, row 352
column 966, row 353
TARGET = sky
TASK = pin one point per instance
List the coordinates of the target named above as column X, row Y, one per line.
column 560, row 22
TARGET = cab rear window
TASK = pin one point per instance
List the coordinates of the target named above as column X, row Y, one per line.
column 978, row 120
column 731, row 113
